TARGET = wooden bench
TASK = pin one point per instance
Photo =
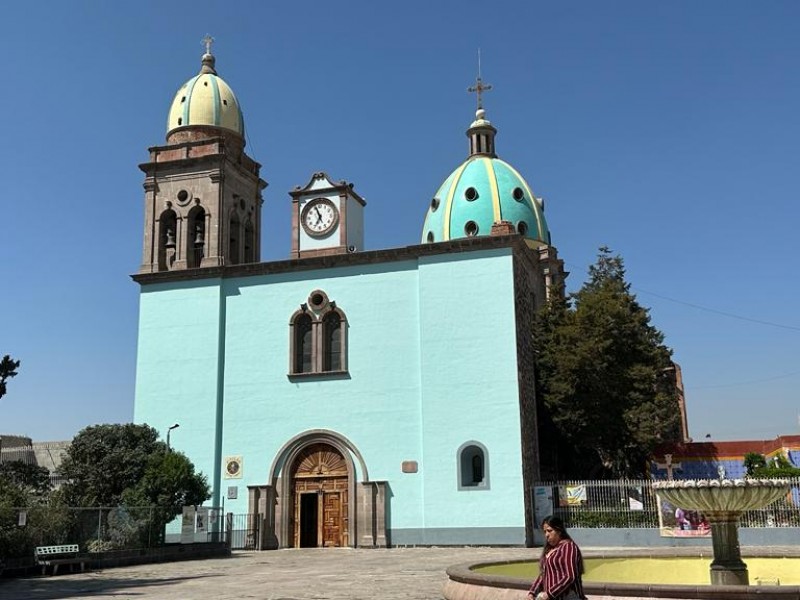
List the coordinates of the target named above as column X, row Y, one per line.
column 55, row 556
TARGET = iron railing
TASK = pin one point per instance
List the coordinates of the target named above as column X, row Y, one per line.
column 634, row 504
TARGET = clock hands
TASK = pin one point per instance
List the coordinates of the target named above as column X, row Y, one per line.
column 319, row 215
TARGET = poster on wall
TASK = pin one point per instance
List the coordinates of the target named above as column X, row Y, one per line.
column 542, row 503
column 674, row 521
column 635, row 498
column 572, row 495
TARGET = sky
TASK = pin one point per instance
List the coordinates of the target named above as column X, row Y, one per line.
column 667, row 131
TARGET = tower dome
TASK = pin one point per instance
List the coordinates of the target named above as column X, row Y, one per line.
column 483, row 191
column 206, row 101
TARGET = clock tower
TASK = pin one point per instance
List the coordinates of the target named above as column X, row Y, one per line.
column 327, row 218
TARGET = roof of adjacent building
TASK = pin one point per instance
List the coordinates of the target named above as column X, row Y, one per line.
column 736, row 448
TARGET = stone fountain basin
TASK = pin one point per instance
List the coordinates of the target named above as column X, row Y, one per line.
column 465, row 584
column 715, row 497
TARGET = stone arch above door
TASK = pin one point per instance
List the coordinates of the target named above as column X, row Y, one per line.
column 272, row 503
column 288, row 452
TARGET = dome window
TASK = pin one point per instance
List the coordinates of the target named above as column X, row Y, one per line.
column 430, row 237
column 205, row 83
column 518, row 194
column 225, row 102
column 522, row 227
column 183, row 99
column 434, row 204
column 471, row 228
column 180, row 121
column 471, row 194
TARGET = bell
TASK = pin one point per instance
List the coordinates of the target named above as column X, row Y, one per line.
column 199, row 238
column 170, row 238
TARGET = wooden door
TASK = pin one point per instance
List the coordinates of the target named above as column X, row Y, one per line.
column 322, row 471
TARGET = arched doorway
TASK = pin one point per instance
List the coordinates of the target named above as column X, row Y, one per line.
column 320, row 498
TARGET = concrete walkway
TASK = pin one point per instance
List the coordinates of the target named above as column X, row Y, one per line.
column 313, row 574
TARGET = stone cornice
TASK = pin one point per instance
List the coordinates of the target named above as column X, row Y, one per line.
column 515, row 242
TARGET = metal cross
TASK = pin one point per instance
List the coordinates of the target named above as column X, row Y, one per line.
column 207, row 41
column 479, row 86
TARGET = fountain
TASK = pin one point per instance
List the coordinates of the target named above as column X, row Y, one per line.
column 723, row 501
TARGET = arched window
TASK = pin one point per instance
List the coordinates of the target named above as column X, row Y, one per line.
column 332, row 340
column 303, row 344
column 167, row 232
column 473, row 466
column 318, row 337
column 233, row 240
column 196, row 237
column 249, row 242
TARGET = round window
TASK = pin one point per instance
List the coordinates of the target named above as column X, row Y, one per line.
column 522, row 228
column 434, row 204
column 471, row 194
column 430, row 237
column 317, row 300
column 518, row 194
column 471, row 228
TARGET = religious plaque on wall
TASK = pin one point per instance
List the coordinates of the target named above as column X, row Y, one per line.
column 233, row 467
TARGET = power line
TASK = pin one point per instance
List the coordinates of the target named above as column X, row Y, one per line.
column 711, row 310
column 718, row 312
column 750, row 382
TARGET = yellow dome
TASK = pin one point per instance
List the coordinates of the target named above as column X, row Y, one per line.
column 206, row 100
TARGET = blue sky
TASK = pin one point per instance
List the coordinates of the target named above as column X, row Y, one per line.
column 666, row 130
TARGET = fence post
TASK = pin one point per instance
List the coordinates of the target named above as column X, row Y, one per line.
column 229, row 530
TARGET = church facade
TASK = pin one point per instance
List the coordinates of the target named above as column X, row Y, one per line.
column 344, row 396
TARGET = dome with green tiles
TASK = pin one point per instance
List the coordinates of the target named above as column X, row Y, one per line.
column 482, row 191
column 206, row 100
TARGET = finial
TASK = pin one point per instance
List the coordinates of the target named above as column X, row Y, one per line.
column 207, row 41
column 479, row 86
column 208, row 58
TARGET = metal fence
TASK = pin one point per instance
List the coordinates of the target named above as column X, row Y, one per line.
column 634, row 504
column 95, row 530
column 243, row 531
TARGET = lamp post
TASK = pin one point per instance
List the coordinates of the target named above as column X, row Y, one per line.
column 169, row 430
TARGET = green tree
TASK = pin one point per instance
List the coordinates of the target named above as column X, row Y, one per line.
column 753, row 461
column 8, row 369
column 169, row 483
column 759, row 468
column 32, row 480
column 603, row 379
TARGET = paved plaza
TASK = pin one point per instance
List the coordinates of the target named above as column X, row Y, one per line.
column 313, row 574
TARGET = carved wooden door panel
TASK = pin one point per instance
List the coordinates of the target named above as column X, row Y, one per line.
column 331, row 520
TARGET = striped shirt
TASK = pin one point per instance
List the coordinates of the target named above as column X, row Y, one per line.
column 560, row 571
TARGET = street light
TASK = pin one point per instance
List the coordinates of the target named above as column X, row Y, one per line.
column 169, row 430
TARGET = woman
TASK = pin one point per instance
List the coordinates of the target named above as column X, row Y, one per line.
column 560, row 567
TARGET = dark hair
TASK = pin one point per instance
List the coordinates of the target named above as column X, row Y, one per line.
column 556, row 524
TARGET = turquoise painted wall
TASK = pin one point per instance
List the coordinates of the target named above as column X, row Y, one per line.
column 177, row 367
column 432, row 364
column 470, row 390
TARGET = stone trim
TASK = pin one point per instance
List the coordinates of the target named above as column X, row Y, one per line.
column 513, row 242
column 275, row 513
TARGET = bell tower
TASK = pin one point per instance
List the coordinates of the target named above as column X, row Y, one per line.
column 202, row 191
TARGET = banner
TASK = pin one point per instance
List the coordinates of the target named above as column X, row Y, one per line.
column 674, row 521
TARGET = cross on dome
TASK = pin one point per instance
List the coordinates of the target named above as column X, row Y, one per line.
column 479, row 86
column 207, row 41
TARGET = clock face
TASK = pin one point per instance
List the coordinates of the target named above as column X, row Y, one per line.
column 319, row 217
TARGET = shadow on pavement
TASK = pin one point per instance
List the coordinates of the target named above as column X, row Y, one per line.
column 55, row 588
